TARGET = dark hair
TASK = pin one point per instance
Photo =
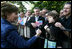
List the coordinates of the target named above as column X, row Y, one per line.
column 36, row 8
column 54, row 15
column 68, row 3
column 7, row 8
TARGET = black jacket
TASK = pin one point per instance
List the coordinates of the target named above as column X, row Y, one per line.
column 32, row 30
column 40, row 42
column 57, row 32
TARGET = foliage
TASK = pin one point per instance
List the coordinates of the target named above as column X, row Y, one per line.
column 50, row 5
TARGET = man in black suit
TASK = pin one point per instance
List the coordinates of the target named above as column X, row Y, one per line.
column 32, row 24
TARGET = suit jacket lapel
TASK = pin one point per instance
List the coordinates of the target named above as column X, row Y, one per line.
column 33, row 19
column 39, row 18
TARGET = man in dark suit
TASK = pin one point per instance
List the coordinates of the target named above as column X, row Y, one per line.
column 32, row 24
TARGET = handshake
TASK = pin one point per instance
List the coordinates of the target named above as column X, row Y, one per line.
column 38, row 32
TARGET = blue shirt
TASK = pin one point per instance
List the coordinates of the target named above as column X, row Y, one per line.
column 22, row 23
column 10, row 37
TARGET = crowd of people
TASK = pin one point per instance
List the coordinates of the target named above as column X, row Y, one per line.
column 29, row 30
